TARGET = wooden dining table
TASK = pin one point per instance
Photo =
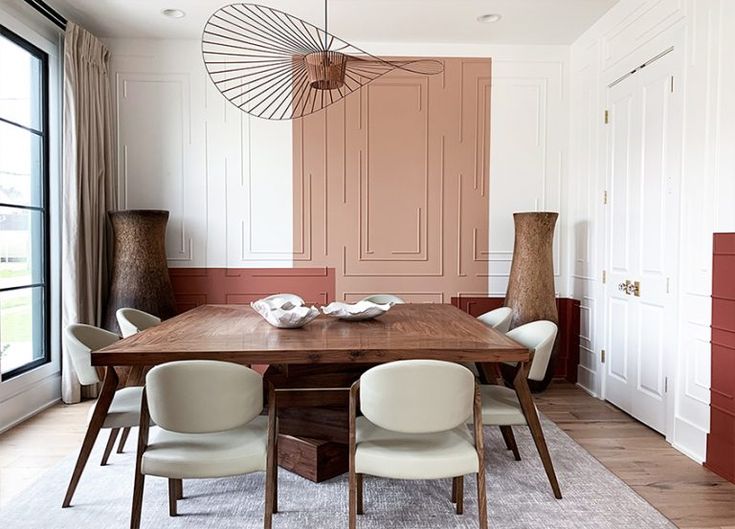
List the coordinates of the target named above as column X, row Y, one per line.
column 311, row 367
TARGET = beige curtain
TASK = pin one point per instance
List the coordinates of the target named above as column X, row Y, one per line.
column 88, row 188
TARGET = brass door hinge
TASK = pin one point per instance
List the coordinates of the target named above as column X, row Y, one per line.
column 604, row 277
column 672, row 84
column 666, row 384
column 607, row 117
column 602, row 356
column 604, row 197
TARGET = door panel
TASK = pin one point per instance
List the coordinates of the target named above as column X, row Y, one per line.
column 644, row 151
column 650, row 352
column 619, row 334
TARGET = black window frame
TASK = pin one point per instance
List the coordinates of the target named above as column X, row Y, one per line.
column 43, row 134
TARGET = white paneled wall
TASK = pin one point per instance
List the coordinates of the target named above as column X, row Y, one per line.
column 227, row 178
column 529, row 153
column 631, row 33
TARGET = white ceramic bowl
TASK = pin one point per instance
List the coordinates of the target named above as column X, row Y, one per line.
column 362, row 310
column 282, row 313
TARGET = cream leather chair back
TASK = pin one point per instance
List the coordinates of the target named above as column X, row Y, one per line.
column 417, row 396
column 132, row 321
column 539, row 336
column 498, row 319
column 80, row 340
column 203, row 396
column 382, row 299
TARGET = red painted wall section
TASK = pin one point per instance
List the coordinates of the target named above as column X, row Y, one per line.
column 200, row 286
column 569, row 314
column 721, row 439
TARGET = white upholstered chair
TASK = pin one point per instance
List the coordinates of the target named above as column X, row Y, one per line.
column 209, row 425
column 80, row 340
column 501, row 406
column 382, row 299
column 413, row 427
column 132, row 321
column 293, row 298
column 498, row 319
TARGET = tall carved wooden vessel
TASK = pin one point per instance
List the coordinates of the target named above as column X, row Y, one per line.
column 531, row 292
column 139, row 269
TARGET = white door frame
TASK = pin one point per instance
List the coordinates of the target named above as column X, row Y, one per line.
column 671, row 368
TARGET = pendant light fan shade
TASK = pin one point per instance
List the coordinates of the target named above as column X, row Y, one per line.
column 275, row 66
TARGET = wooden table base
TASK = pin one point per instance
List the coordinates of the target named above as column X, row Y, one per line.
column 312, row 417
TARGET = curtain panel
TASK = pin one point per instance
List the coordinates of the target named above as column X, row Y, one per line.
column 88, row 189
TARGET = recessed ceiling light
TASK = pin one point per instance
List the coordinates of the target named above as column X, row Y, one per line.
column 489, row 18
column 173, row 13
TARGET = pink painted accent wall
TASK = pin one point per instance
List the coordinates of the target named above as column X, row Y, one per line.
column 200, row 286
column 391, row 186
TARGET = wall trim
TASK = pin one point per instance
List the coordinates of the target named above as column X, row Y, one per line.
column 32, row 400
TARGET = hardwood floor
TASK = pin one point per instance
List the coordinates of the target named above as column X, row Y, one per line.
column 31, row 448
column 687, row 493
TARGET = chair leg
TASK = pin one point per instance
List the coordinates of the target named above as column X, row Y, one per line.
column 271, row 472
column 275, row 478
column 95, row 424
column 454, row 490
column 352, row 499
column 172, row 496
column 459, row 498
column 123, row 440
column 529, row 410
column 270, row 497
column 482, row 499
column 137, row 501
column 360, row 480
column 179, row 489
column 109, row 446
column 510, row 441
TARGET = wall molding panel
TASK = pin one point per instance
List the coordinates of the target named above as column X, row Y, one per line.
column 399, row 176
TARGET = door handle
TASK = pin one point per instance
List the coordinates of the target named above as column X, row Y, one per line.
column 631, row 288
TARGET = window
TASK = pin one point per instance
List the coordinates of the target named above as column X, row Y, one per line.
column 24, row 222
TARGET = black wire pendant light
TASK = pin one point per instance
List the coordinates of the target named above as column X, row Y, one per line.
column 276, row 66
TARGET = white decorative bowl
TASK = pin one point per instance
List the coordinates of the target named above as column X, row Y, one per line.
column 362, row 310
column 283, row 313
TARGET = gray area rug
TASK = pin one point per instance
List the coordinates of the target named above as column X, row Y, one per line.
column 519, row 496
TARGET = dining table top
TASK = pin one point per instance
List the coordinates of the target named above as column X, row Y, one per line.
column 237, row 333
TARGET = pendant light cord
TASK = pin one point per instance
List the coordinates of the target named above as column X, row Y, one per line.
column 325, row 25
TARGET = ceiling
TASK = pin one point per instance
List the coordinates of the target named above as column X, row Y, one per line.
column 523, row 22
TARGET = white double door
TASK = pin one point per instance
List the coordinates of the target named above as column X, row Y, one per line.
column 642, row 228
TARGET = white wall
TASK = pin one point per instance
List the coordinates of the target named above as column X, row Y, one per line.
column 224, row 176
column 227, row 177
column 631, row 33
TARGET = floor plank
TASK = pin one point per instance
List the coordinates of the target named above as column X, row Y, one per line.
column 687, row 493
column 684, row 491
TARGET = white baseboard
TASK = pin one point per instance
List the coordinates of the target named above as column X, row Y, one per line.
column 34, row 399
column 690, row 439
column 588, row 391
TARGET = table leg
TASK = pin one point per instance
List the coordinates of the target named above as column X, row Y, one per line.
column 529, row 410
column 95, row 425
